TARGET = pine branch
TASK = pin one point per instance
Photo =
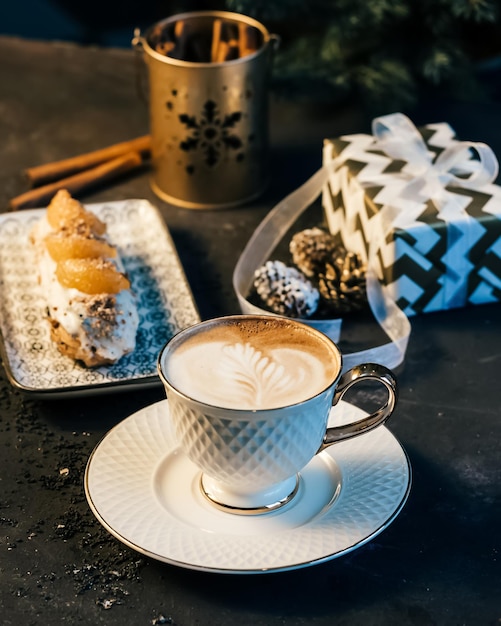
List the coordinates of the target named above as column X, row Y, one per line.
column 381, row 51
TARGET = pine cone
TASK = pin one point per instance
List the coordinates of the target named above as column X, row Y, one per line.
column 285, row 290
column 311, row 249
column 342, row 283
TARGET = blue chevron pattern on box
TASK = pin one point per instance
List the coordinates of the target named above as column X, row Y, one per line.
column 426, row 262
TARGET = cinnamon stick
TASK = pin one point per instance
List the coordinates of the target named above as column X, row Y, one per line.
column 179, row 27
column 222, row 52
column 181, row 38
column 242, row 40
column 165, row 47
column 52, row 171
column 247, row 39
column 233, row 50
column 78, row 182
column 216, row 40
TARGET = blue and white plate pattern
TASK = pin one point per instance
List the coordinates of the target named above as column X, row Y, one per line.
column 165, row 302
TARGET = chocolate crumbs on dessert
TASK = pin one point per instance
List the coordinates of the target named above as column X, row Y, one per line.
column 103, row 306
column 102, row 310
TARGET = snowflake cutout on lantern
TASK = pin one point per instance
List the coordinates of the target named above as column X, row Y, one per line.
column 211, row 134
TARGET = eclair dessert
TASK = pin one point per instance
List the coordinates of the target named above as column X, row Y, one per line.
column 91, row 308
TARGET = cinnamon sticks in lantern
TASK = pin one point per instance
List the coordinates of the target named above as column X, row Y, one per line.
column 223, row 40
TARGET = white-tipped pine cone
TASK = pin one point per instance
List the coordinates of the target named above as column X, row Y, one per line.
column 285, row 290
column 311, row 249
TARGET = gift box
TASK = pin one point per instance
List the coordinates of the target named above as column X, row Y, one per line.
column 421, row 209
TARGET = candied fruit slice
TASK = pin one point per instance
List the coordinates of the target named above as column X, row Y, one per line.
column 61, row 247
column 64, row 212
column 91, row 276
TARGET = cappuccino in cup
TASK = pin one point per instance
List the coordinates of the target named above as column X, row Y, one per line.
column 252, row 364
column 249, row 397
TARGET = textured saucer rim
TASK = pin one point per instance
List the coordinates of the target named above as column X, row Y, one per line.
column 252, row 553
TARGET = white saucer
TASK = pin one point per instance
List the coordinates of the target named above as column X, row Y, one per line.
column 146, row 493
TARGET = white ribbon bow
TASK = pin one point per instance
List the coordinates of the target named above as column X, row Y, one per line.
column 456, row 166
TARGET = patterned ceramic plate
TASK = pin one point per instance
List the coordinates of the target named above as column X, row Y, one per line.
column 147, row 494
column 165, row 303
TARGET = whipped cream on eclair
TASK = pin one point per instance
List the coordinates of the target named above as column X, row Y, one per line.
column 96, row 328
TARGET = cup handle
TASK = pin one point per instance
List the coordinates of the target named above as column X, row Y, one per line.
column 356, row 374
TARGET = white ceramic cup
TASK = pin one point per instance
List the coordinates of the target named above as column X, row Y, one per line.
column 249, row 398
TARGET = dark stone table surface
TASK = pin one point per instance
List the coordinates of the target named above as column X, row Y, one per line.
column 438, row 563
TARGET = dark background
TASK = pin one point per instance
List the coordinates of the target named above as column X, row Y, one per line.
column 111, row 23
column 93, row 22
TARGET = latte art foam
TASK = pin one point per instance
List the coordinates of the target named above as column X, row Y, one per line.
column 244, row 367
